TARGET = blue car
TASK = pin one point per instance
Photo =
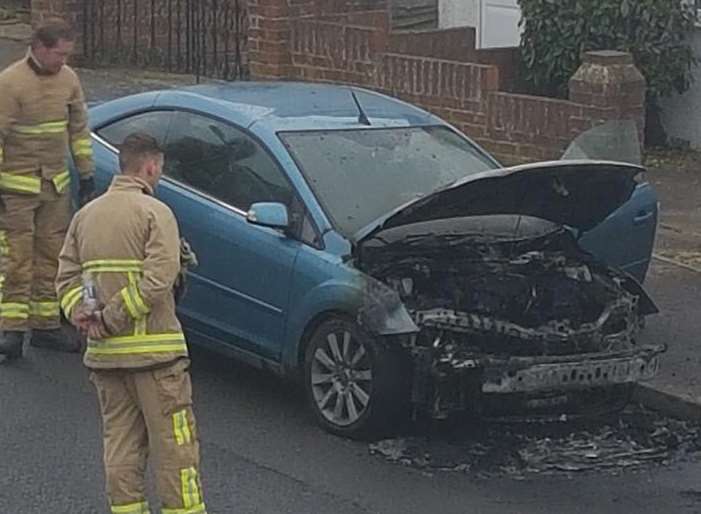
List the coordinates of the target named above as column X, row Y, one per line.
column 366, row 247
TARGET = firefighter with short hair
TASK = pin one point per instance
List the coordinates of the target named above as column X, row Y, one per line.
column 42, row 112
column 117, row 272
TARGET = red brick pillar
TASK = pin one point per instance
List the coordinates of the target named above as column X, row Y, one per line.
column 609, row 81
column 269, row 39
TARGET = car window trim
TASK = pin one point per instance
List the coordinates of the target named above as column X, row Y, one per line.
column 320, row 245
column 131, row 114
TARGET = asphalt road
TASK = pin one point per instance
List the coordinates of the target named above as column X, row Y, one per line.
column 262, row 453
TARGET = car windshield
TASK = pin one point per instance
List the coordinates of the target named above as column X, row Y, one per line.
column 360, row 175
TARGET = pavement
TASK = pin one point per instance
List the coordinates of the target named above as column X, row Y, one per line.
column 674, row 282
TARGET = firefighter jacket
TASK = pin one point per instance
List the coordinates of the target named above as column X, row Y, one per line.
column 40, row 115
column 127, row 242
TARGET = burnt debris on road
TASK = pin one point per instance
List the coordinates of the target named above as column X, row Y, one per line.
column 630, row 441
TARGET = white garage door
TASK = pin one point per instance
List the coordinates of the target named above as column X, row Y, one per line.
column 500, row 23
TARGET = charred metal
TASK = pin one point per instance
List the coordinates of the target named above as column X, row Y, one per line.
column 505, row 305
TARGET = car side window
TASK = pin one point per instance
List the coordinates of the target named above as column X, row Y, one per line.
column 153, row 123
column 224, row 162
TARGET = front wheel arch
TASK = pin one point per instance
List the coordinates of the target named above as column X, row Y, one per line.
column 387, row 392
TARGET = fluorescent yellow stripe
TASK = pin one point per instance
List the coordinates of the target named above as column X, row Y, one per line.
column 50, row 127
column 135, row 350
column 114, row 265
column 186, row 427
column 177, row 430
column 44, row 309
column 129, row 303
column 70, row 299
column 62, row 180
column 150, row 338
column 113, row 269
column 14, row 314
column 139, row 324
column 19, row 183
column 140, row 327
column 138, row 300
column 14, row 310
column 181, row 428
column 185, row 488
column 82, row 147
column 131, row 508
column 134, row 345
column 189, row 484
column 195, row 487
column 4, row 245
column 197, row 509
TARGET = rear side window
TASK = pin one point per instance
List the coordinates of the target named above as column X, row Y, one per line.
column 154, row 123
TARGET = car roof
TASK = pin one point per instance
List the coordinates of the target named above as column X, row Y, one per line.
column 278, row 106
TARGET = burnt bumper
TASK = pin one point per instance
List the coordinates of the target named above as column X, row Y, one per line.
column 451, row 383
column 531, row 375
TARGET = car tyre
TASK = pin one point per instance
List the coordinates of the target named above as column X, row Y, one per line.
column 355, row 385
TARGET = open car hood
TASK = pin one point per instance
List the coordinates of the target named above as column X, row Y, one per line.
column 578, row 193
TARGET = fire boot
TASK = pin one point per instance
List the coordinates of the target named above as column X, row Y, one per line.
column 64, row 339
column 11, row 345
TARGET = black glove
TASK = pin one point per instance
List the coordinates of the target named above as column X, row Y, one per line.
column 86, row 190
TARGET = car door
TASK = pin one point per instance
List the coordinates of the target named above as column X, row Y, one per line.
column 239, row 293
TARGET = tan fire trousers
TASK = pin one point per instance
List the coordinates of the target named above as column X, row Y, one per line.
column 34, row 227
column 148, row 414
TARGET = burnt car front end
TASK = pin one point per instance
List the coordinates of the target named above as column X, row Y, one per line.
column 512, row 316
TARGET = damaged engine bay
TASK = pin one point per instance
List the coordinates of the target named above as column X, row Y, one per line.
column 510, row 307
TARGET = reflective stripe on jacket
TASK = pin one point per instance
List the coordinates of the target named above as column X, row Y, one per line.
column 40, row 115
column 128, row 242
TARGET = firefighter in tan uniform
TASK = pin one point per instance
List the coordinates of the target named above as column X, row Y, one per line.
column 42, row 112
column 126, row 243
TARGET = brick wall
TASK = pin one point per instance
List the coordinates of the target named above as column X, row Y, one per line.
column 350, row 41
column 442, row 72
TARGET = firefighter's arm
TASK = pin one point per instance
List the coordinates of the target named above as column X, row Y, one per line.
column 79, row 133
column 161, row 268
column 9, row 110
column 69, row 288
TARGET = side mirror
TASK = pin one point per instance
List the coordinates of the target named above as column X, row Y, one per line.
column 269, row 214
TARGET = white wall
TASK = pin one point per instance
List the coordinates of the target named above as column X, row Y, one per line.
column 458, row 13
column 496, row 21
column 681, row 114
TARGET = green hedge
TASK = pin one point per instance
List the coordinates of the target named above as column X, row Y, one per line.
column 556, row 32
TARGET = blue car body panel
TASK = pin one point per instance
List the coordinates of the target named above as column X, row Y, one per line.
column 256, row 292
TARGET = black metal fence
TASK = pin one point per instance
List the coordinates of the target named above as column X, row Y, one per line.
column 199, row 37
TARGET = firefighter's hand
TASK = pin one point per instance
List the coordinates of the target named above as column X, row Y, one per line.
column 188, row 260
column 86, row 190
column 97, row 329
column 188, row 257
column 81, row 319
